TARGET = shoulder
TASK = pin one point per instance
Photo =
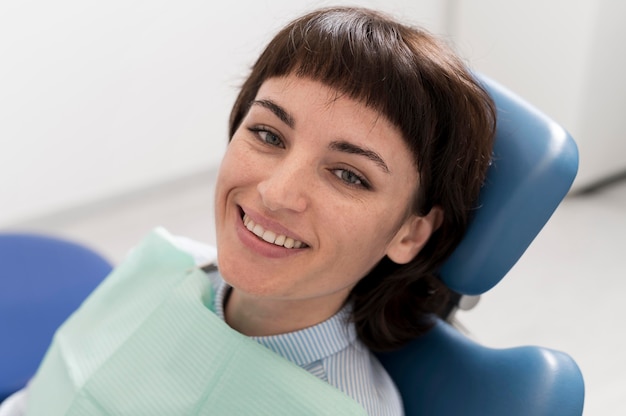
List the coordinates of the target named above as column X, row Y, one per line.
column 358, row 373
column 15, row 405
column 202, row 253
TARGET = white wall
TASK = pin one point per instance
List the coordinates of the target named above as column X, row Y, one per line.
column 98, row 99
column 566, row 57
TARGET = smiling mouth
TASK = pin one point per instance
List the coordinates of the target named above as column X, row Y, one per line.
column 270, row 236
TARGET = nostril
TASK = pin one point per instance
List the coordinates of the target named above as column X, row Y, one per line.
column 282, row 192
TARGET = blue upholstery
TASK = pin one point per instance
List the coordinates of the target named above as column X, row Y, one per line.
column 445, row 373
column 535, row 162
column 42, row 281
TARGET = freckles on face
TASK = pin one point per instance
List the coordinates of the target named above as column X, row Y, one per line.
column 314, row 166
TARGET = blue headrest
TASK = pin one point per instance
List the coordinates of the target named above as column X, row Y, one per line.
column 534, row 164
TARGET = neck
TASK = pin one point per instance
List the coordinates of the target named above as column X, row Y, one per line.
column 254, row 316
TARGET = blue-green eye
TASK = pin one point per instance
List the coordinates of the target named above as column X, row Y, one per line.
column 270, row 138
column 351, row 178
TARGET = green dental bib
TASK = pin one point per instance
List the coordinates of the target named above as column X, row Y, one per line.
column 146, row 343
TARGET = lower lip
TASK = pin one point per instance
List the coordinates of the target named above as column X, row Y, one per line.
column 259, row 246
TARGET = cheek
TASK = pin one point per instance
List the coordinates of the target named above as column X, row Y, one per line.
column 235, row 167
column 376, row 228
column 362, row 232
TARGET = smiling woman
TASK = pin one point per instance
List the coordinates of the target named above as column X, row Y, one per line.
column 405, row 97
column 358, row 146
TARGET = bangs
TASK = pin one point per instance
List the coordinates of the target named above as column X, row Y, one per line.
column 359, row 55
column 356, row 53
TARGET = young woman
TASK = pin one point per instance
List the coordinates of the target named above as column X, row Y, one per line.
column 358, row 146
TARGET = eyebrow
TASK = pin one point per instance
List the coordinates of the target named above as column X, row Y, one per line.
column 340, row 146
column 278, row 111
column 346, row 147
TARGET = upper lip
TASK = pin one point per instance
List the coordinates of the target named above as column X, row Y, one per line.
column 272, row 225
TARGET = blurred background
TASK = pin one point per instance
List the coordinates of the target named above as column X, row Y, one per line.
column 113, row 120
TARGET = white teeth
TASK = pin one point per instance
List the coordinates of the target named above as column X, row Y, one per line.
column 270, row 236
column 258, row 230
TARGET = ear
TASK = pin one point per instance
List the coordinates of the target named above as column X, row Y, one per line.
column 413, row 235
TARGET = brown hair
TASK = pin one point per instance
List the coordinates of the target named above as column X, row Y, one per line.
column 445, row 116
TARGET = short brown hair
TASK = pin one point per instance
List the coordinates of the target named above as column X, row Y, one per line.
column 446, row 118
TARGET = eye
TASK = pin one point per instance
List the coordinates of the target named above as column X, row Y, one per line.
column 351, row 178
column 267, row 137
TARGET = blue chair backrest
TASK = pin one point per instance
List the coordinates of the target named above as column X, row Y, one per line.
column 42, row 281
column 445, row 373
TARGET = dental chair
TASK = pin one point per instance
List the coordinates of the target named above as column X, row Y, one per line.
column 445, row 372
column 43, row 279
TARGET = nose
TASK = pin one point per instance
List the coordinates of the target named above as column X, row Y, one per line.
column 285, row 186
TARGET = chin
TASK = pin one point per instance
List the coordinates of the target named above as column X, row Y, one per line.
column 246, row 278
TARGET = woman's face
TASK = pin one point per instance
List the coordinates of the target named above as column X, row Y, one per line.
column 314, row 189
